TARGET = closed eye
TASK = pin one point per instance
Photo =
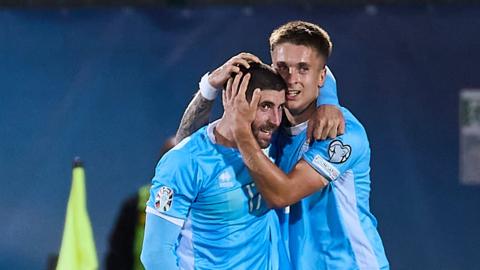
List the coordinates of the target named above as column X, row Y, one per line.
column 303, row 68
column 281, row 67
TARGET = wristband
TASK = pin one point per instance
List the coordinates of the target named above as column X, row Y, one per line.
column 206, row 89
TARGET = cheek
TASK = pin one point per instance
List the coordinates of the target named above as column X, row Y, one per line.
column 310, row 80
column 260, row 120
column 255, row 123
column 310, row 84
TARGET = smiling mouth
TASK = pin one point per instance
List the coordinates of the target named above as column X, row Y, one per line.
column 266, row 131
column 292, row 93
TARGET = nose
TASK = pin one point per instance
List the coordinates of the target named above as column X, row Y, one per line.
column 292, row 77
column 276, row 117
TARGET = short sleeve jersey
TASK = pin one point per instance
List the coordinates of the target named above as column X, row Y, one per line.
column 332, row 228
column 206, row 188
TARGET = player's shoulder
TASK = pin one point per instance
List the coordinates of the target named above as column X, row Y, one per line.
column 354, row 139
column 352, row 124
column 183, row 155
column 355, row 133
column 194, row 144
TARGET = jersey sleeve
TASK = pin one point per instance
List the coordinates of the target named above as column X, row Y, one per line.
column 328, row 92
column 331, row 158
column 174, row 186
column 160, row 237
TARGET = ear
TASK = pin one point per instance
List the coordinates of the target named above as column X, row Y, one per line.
column 322, row 76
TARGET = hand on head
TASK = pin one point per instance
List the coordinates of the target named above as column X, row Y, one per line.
column 239, row 112
column 219, row 77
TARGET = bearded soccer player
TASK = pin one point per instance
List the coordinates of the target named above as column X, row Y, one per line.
column 204, row 210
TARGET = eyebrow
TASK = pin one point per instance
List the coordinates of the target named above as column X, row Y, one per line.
column 266, row 102
column 303, row 64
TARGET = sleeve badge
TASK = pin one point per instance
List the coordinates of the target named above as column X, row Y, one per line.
column 339, row 152
column 164, row 199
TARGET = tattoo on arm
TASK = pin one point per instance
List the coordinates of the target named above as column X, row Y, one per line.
column 195, row 117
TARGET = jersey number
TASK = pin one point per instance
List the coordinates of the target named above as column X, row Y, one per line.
column 254, row 198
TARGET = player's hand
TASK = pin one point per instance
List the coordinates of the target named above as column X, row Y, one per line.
column 326, row 122
column 239, row 111
column 220, row 75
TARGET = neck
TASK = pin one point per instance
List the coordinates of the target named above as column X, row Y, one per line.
column 223, row 134
column 297, row 117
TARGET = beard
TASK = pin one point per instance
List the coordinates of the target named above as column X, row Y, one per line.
column 263, row 134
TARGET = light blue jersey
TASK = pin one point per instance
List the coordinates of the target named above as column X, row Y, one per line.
column 332, row 228
column 206, row 189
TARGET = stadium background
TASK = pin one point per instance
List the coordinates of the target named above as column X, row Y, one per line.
column 109, row 83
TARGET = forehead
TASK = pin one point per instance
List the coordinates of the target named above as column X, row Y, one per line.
column 293, row 54
column 273, row 96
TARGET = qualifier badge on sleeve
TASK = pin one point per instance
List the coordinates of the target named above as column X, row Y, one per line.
column 163, row 199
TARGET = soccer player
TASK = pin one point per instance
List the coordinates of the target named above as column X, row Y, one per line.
column 327, row 183
column 204, row 210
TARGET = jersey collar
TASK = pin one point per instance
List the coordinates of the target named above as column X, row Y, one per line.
column 295, row 130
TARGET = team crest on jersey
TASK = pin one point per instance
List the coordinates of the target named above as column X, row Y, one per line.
column 163, row 199
column 339, row 152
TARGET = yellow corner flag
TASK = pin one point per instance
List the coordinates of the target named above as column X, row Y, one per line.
column 78, row 246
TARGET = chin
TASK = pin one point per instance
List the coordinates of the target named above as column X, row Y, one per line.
column 262, row 143
column 297, row 108
column 293, row 105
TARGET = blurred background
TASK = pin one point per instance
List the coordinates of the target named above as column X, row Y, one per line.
column 109, row 80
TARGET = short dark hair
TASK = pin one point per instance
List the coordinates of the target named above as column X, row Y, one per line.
column 264, row 77
column 302, row 33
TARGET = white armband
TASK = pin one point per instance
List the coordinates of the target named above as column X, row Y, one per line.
column 206, row 89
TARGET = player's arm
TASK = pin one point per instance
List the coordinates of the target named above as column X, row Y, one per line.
column 195, row 116
column 174, row 188
column 198, row 111
column 158, row 251
column 328, row 120
column 278, row 189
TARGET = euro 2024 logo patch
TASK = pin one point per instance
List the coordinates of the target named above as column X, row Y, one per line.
column 163, row 199
column 339, row 152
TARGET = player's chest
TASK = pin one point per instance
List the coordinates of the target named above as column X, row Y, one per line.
column 230, row 193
